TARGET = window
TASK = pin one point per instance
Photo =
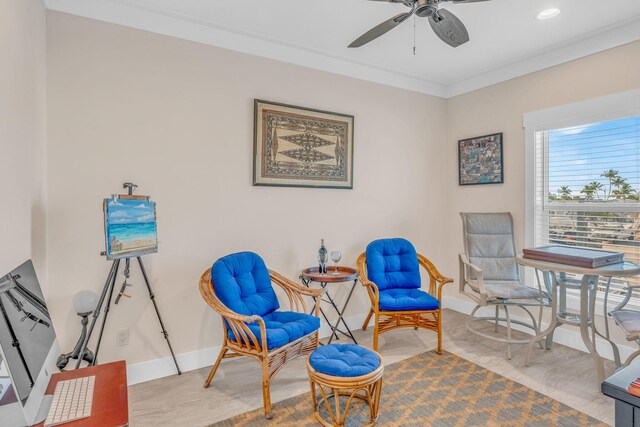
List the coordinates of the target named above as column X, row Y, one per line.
column 586, row 183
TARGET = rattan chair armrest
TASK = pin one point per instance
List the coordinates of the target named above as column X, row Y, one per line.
column 295, row 291
column 230, row 315
column 282, row 281
column 441, row 285
column 243, row 335
column 435, row 276
column 432, row 270
column 372, row 291
column 369, row 283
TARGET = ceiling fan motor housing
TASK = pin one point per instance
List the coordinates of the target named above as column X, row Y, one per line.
column 426, row 8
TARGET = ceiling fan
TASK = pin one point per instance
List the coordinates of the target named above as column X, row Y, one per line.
column 444, row 23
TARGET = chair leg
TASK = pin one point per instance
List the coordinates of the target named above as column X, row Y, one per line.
column 497, row 317
column 266, row 390
column 336, row 401
column 439, row 350
column 536, row 326
column 215, row 367
column 313, row 396
column 366, row 321
column 508, row 317
column 376, row 328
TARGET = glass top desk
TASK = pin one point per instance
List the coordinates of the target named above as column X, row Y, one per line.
column 555, row 276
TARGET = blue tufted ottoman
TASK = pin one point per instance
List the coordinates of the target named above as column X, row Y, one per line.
column 347, row 370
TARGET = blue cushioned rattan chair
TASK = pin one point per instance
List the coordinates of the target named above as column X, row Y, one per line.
column 239, row 287
column 390, row 270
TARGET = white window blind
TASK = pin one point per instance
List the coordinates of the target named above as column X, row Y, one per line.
column 587, row 188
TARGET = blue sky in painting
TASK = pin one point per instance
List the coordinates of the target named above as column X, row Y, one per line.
column 130, row 211
column 578, row 155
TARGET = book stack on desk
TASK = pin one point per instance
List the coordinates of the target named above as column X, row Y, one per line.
column 634, row 388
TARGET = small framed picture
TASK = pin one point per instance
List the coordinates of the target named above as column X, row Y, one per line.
column 480, row 160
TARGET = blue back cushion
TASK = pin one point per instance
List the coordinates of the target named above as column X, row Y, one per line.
column 241, row 281
column 393, row 264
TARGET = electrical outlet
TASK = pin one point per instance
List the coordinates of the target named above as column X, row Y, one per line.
column 122, row 337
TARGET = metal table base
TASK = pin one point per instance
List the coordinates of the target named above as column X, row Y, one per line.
column 335, row 329
column 556, row 279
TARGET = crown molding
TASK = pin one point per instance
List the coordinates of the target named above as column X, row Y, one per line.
column 140, row 16
column 604, row 39
column 134, row 14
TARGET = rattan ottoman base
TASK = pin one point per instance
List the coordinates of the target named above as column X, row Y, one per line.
column 328, row 388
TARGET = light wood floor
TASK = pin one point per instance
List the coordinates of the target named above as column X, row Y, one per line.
column 564, row 374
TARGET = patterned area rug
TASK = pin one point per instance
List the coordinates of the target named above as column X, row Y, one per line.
column 432, row 390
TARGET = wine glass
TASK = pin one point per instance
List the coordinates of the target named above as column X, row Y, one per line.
column 335, row 257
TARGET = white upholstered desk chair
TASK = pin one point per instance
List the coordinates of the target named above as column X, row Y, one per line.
column 490, row 276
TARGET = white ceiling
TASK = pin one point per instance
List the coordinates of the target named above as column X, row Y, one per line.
column 507, row 40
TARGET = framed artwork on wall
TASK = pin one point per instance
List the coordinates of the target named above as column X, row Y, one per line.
column 480, row 160
column 302, row 147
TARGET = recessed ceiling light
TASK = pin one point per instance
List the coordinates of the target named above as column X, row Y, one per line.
column 548, row 14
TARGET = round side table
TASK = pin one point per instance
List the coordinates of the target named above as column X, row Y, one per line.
column 333, row 275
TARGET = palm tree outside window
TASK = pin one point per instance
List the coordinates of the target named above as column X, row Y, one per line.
column 587, row 187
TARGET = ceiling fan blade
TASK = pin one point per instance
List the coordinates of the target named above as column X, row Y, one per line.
column 380, row 29
column 449, row 28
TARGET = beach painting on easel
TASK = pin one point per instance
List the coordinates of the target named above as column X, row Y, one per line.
column 130, row 227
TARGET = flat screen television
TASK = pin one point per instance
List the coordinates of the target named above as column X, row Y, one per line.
column 28, row 348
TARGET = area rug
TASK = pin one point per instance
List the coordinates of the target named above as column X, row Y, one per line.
column 433, row 390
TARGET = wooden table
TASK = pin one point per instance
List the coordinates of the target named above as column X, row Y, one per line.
column 110, row 398
column 336, row 274
column 555, row 275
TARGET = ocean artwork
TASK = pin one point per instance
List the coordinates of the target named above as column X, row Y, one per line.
column 130, row 227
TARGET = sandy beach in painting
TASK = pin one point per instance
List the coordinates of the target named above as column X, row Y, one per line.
column 141, row 245
column 130, row 228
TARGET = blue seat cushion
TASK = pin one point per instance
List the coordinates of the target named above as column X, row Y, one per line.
column 344, row 360
column 283, row 327
column 393, row 264
column 241, row 281
column 406, row 300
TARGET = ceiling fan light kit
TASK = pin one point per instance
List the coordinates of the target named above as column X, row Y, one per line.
column 444, row 23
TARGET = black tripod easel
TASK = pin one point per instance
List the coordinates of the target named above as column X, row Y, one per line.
column 107, row 294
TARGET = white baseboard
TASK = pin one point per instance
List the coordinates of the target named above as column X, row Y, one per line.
column 164, row 367
column 159, row 368
column 568, row 336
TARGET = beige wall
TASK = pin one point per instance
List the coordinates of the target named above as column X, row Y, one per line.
column 22, row 134
column 176, row 117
